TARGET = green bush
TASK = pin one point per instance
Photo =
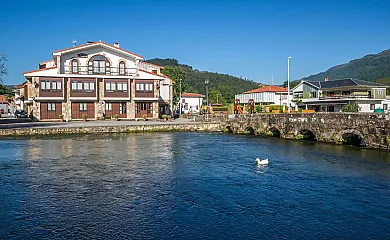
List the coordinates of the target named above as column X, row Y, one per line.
column 351, row 107
column 258, row 108
column 116, row 116
column 84, row 116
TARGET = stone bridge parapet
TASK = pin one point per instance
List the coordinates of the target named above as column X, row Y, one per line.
column 372, row 128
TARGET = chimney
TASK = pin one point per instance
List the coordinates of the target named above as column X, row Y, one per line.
column 116, row 44
column 326, row 78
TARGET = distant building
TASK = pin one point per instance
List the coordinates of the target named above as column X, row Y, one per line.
column 20, row 92
column 4, row 105
column 191, row 102
column 331, row 95
column 267, row 95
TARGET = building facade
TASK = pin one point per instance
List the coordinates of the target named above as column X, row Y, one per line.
column 267, row 95
column 96, row 80
column 191, row 102
column 331, row 95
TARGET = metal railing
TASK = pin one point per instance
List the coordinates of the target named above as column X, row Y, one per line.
column 351, row 96
column 91, row 70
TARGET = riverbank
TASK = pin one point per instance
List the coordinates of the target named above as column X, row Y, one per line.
column 47, row 128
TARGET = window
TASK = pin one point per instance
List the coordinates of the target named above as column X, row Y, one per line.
column 43, row 85
column 74, row 85
column 58, row 86
column 113, row 86
column 108, row 107
column 51, row 107
column 89, row 86
column 99, row 65
column 83, row 107
column 122, row 108
column 154, row 71
column 147, row 87
column 379, row 91
column 122, row 68
column 48, row 85
column 108, row 86
column 372, row 106
column 75, row 66
column 384, row 106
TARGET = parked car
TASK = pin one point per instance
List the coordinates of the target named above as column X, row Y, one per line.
column 21, row 114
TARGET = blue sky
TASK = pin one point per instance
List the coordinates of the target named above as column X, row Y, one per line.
column 251, row 39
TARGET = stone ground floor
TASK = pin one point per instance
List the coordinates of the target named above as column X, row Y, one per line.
column 95, row 110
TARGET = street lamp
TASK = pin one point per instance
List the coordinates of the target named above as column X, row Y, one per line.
column 206, row 82
column 288, row 84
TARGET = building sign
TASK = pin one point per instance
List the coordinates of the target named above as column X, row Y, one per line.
column 82, row 55
column 183, row 100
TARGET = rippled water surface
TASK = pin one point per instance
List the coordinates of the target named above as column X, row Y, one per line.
column 191, row 186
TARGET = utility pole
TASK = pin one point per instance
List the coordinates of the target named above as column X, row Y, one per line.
column 180, row 97
column 207, row 95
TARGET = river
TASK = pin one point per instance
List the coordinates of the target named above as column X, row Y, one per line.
column 190, row 186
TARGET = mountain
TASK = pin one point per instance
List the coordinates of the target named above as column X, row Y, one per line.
column 224, row 85
column 370, row 68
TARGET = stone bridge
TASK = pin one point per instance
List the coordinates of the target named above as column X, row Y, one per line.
column 362, row 129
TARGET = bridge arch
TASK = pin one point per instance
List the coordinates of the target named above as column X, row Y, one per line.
column 273, row 131
column 250, row 130
column 306, row 134
column 228, row 129
column 351, row 137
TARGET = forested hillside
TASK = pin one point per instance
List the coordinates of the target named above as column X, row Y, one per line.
column 222, row 86
column 370, row 68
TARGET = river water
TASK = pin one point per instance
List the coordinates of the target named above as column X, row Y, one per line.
column 190, row 186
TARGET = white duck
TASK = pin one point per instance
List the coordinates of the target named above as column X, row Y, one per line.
column 262, row 162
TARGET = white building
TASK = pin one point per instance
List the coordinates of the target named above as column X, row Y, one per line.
column 95, row 80
column 267, row 95
column 191, row 102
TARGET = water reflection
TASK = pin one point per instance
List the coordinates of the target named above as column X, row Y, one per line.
column 190, row 185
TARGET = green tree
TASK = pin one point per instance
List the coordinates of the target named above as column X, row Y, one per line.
column 351, row 107
column 293, row 84
column 215, row 96
column 178, row 75
column 3, row 69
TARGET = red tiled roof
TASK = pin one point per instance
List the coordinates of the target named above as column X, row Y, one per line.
column 197, row 95
column 95, row 43
column 268, row 89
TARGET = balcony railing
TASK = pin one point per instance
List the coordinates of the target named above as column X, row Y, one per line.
column 351, row 96
column 90, row 70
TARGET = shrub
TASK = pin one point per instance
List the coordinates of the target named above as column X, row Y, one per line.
column 258, row 108
column 84, row 116
column 145, row 116
column 269, row 134
column 351, row 107
column 60, row 116
column 164, row 116
column 116, row 116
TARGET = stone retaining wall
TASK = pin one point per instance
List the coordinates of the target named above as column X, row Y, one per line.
column 213, row 127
